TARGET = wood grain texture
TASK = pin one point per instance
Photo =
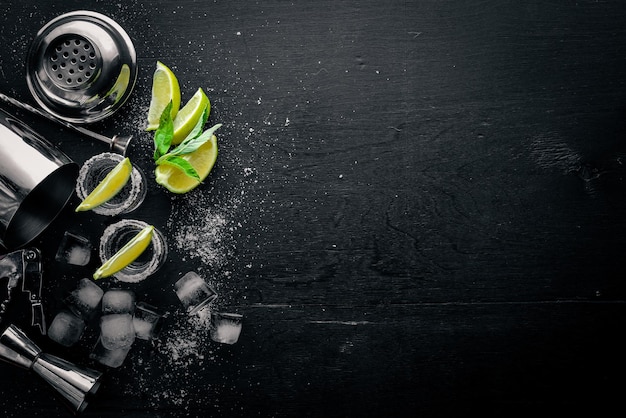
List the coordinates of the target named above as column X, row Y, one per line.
column 425, row 202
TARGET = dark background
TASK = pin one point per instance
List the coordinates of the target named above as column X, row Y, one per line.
column 418, row 207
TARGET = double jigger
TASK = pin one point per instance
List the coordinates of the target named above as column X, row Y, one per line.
column 74, row 383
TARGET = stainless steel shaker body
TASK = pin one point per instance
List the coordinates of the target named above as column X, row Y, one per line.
column 36, row 182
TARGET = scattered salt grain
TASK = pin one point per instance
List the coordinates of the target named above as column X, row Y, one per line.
column 203, row 240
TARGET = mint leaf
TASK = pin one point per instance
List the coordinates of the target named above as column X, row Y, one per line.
column 191, row 144
column 197, row 129
column 179, row 163
column 164, row 133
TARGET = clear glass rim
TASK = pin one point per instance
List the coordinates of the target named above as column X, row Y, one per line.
column 135, row 191
column 112, row 240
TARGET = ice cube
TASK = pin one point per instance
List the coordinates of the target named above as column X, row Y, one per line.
column 225, row 327
column 111, row 358
column 66, row 328
column 147, row 321
column 117, row 301
column 194, row 292
column 84, row 301
column 74, row 249
column 117, row 331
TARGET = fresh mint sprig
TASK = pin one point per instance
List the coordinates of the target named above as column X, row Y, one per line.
column 190, row 144
column 181, row 164
column 164, row 133
column 196, row 138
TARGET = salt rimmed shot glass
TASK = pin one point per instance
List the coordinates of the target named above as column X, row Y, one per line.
column 93, row 172
column 116, row 235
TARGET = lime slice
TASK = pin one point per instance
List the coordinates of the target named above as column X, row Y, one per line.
column 110, row 185
column 121, row 84
column 165, row 88
column 127, row 254
column 203, row 159
column 189, row 115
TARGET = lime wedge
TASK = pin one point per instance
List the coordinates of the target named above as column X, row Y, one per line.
column 127, row 254
column 189, row 115
column 165, row 88
column 203, row 159
column 121, row 84
column 110, row 185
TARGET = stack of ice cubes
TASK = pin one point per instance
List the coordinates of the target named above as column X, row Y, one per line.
column 82, row 305
column 197, row 296
column 121, row 321
column 117, row 332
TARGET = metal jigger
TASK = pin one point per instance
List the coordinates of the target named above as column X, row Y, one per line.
column 74, row 383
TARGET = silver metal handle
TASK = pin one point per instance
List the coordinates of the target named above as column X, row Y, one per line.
column 118, row 144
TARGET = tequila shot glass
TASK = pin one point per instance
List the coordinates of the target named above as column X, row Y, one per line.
column 116, row 235
column 93, row 172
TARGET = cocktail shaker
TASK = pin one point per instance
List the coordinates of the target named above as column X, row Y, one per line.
column 36, row 182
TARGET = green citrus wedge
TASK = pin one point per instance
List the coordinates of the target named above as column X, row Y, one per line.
column 165, row 88
column 189, row 115
column 176, row 181
column 127, row 254
column 110, row 185
column 121, row 84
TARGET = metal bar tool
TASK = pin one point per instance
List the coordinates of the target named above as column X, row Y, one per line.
column 118, row 143
column 24, row 266
column 73, row 382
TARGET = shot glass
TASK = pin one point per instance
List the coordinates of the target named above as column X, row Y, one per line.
column 116, row 235
column 93, row 172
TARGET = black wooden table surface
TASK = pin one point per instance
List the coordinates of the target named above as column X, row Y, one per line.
column 418, row 206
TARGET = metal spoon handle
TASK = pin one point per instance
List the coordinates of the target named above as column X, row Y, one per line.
column 117, row 143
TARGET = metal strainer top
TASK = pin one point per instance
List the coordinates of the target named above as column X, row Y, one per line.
column 81, row 67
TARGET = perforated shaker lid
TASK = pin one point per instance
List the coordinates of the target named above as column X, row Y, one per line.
column 81, row 67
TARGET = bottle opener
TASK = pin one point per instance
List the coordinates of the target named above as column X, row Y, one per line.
column 24, row 265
